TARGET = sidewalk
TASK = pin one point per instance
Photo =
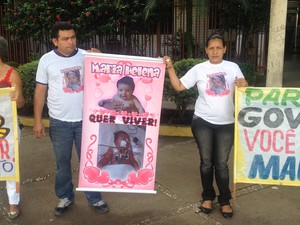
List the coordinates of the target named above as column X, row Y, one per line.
column 178, row 191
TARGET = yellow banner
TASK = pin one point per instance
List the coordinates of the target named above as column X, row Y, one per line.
column 267, row 134
column 9, row 151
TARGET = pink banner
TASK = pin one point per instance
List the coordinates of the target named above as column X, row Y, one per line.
column 122, row 106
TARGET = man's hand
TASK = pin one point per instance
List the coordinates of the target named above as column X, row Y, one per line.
column 38, row 129
column 95, row 50
column 13, row 95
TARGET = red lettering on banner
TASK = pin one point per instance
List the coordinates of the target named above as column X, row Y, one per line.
column 269, row 141
column 139, row 121
column 290, row 134
column 251, row 145
column 102, row 118
column 265, row 137
column 4, row 149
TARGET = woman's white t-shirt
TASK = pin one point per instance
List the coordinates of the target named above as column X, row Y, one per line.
column 215, row 84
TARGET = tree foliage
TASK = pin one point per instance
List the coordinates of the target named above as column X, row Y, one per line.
column 244, row 15
column 247, row 17
column 185, row 98
column 34, row 19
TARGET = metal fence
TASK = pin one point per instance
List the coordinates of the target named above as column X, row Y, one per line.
column 162, row 39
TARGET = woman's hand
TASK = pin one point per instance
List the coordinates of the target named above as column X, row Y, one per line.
column 175, row 82
column 168, row 62
column 240, row 82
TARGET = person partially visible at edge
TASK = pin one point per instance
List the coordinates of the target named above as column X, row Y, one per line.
column 65, row 111
column 9, row 77
column 213, row 120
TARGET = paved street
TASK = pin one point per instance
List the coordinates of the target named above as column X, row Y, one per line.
column 177, row 184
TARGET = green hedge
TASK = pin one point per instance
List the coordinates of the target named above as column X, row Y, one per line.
column 27, row 73
column 186, row 98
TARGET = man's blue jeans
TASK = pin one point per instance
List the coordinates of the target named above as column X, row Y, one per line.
column 63, row 135
column 214, row 144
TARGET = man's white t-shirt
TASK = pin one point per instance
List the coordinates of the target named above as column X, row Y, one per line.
column 64, row 103
column 215, row 84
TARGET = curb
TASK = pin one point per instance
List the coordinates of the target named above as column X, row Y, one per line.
column 178, row 131
column 28, row 121
column 164, row 130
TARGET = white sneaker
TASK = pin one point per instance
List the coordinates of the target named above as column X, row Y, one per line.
column 62, row 205
column 101, row 207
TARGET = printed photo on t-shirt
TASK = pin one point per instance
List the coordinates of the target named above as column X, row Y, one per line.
column 73, row 81
column 217, row 85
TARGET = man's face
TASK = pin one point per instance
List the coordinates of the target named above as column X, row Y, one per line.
column 66, row 42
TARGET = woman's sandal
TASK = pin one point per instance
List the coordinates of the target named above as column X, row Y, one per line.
column 14, row 214
column 226, row 214
column 205, row 209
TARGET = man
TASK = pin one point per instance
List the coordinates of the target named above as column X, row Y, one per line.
column 65, row 111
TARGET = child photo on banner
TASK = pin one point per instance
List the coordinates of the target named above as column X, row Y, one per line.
column 122, row 109
column 9, row 152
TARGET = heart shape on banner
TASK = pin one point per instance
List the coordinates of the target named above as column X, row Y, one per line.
column 148, row 97
column 145, row 176
column 133, row 179
column 93, row 174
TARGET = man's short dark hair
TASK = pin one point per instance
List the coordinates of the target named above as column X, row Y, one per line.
column 62, row 25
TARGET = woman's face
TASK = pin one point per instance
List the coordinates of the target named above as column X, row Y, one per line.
column 215, row 51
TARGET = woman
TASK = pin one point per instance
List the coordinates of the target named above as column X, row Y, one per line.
column 10, row 78
column 213, row 120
